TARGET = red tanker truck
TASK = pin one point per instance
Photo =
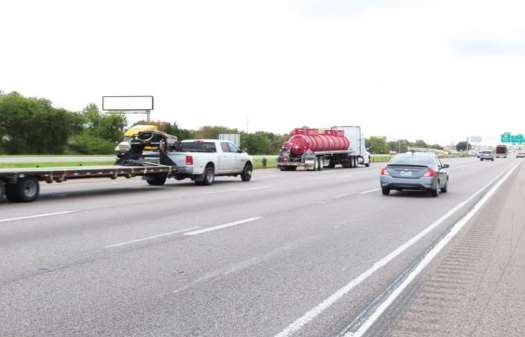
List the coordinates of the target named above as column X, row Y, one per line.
column 314, row 149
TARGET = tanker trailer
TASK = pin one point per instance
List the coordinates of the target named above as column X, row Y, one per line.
column 314, row 149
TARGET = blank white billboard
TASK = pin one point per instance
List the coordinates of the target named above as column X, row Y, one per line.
column 127, row 103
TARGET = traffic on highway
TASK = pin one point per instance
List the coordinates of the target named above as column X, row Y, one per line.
column 296, row 168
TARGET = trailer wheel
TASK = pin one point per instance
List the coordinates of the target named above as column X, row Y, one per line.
column 247, row 172
column 24, row 190
column 2, row 191
column 156, row 180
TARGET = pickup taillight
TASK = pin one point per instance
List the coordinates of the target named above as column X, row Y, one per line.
column 189, row 160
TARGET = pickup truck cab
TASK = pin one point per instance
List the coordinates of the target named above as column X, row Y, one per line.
column 204, row 159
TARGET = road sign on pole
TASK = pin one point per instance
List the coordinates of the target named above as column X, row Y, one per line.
column 128, row 105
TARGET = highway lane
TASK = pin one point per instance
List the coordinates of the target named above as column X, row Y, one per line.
column 257, row 257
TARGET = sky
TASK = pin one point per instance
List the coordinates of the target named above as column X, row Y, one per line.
column 414, row 69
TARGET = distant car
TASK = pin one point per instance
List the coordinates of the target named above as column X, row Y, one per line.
column 520, row 154
column 415, row 171
column 486, row 155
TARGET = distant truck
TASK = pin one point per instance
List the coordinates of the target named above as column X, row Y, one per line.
column 502, row 151
column 314, row 149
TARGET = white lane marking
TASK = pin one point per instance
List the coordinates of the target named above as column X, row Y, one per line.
column 35, row 216
column 150, row 237
column 238, row 190
column 327, row 303
column 214, row 228
column 252, row 189
column 428, row 258
column 369, row 191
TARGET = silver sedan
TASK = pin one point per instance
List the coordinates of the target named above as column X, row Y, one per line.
column 415, row 171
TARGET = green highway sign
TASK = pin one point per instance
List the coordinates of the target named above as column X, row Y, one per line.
column 506, row 137
column 518, row 139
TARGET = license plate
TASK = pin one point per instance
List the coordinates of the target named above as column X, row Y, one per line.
column 405, row 173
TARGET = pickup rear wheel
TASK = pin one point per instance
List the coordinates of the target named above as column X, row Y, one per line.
column 247, row 172
column 207, row 178
column 156, row 180
column 24, row 190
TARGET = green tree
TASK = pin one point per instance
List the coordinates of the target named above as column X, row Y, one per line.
column 108, row 127
column 33, row 125
column 212, row 132
column 377, row 145
column 399, row 146
column 463, row 146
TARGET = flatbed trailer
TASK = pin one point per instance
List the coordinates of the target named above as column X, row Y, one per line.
column 23, row 185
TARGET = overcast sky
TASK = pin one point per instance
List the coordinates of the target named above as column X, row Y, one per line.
column 436, row 70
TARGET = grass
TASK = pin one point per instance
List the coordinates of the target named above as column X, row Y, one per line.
column 55, row 164
column 380, row 158
column 271, row 162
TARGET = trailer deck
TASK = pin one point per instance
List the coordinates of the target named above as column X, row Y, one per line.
column 22, row 185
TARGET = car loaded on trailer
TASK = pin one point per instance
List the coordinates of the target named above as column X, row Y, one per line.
column 314, row 149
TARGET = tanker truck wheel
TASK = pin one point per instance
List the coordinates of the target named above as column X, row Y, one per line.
column 156, row 180
column 24, row 190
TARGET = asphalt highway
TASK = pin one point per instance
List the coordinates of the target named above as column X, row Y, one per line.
column 287, row 254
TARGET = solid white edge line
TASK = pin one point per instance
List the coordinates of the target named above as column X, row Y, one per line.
column 150, row 237
column 36, row 216
column 321, row 307
column 214, row 228
column 428, row 258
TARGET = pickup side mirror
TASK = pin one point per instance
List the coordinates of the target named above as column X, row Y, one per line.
column 445, row 166
column 240, row 151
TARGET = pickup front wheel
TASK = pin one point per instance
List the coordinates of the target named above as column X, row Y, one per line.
column 247, row 172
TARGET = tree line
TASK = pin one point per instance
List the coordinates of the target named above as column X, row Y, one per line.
column 380, row 145
column 33, row 126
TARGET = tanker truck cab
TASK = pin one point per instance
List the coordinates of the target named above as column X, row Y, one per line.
column 203, row 159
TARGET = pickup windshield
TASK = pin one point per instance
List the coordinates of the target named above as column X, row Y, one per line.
column 197, row 147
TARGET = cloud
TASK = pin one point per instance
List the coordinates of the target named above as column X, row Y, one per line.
column 333, row 8
column 488, row 46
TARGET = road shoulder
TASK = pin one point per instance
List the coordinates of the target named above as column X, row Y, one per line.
column 476, row 287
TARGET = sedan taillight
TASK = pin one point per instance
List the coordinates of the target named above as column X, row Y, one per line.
column 384, row 172
column 430, row 173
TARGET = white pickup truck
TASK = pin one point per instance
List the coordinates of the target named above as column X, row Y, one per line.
column 203, row 159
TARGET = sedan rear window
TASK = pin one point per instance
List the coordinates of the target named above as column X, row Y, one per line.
column 197, row 147
column 413, row 159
